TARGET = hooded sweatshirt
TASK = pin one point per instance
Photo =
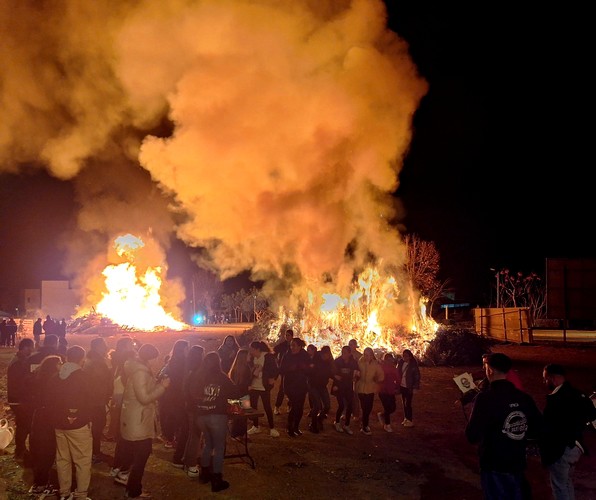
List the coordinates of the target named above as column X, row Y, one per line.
column 71, row 396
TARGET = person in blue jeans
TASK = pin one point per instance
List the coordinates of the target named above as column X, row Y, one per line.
column 210, row 388
column 566, row 414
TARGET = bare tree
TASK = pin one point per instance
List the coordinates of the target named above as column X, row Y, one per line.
column 206, row 289
column 422, row 264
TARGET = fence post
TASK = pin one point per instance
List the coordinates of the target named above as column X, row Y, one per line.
column 521, row 329
column 504, row 325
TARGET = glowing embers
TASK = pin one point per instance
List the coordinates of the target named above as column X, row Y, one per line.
column 132, row 296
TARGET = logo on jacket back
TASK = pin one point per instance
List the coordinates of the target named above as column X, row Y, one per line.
column 515, row 426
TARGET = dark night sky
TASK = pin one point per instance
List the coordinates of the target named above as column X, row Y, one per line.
column 498, row 173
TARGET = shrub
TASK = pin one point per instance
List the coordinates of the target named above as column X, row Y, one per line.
column 456, row 347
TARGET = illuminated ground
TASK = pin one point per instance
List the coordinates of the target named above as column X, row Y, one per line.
column 430, row 461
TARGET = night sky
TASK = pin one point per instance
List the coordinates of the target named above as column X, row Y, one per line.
column 497, row 175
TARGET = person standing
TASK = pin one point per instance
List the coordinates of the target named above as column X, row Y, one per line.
column 390, row 386
column 263, row 368
column 566, row 414
column 37, row 331
column 43, row 435
column 137, row 420
column 72, row 422
column 345, row 370
column 11, row 332
column 227, row 352
column 410, row 382
column 294, row 368
column 18, row 376
column 367, row 384
column 190, row 434
column 100, row 390
column 172, row 405
column 210, row 389
column 356, row 354
column 502, row 420
column 280, row 350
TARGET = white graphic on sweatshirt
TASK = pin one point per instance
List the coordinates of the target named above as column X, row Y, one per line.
column 515, row 426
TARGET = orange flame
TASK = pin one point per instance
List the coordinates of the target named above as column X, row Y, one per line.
column 133, row 297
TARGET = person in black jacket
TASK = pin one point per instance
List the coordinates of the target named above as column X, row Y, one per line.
column 566, row 415
column 280, row 350
column 18, row 376
column 72, row 422
column 502, row 420
column 42, row 440
column 100, row 391
column 294, row 369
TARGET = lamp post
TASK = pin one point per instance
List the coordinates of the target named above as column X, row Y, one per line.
column 498, row 276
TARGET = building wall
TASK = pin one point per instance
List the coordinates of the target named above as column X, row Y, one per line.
column 58, row 299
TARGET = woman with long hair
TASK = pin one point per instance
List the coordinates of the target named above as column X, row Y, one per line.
column 294, row 368
column 172, row 404
column 367, row 385
column 210, row 389
column 345, row 370
column 388, row 389
column 227, row 352
column 190, row 434
column 263, row 374
column 410, row 381
column 241, row 375
column 42, row 439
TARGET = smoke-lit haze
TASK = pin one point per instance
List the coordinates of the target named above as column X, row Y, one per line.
column 270, row 133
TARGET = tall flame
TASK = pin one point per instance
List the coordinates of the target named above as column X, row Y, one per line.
column 133, row 297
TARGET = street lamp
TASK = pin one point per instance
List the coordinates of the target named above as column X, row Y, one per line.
column 498, row 276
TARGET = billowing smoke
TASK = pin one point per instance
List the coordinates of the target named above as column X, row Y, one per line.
column 269, row 133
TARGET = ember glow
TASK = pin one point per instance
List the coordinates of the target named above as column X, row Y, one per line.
column 133, row 297
column 372, row 314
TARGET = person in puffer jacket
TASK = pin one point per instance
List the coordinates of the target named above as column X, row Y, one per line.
column 137, row 420
column 72, row 424
column 368, row 384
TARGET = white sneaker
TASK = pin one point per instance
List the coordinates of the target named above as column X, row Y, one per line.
column 114, row 471
column 388, row 428
column 381, row 418
column 365, row 430
column 253, row 430
column 276, row 411
column 347, row 430
column 408, row 423
column 339, row 427
column 274, row 433
column 121, row 478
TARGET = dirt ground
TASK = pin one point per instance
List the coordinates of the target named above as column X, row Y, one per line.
column 429, row 461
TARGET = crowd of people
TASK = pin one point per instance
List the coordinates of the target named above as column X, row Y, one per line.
column 59, row 398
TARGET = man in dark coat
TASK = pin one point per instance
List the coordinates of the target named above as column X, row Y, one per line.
column 280, row 350
column 502, row 420
column 566, row 415
column 100, row 390
column 18, row 376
